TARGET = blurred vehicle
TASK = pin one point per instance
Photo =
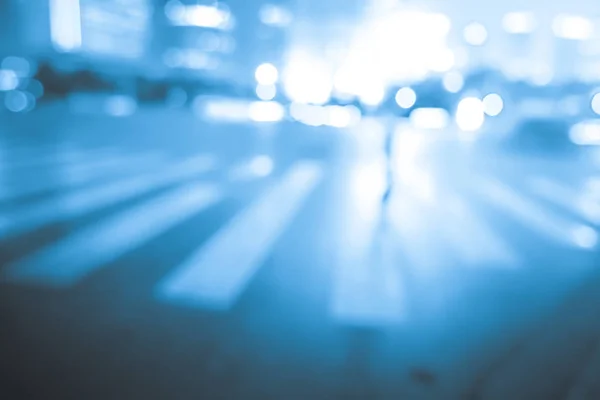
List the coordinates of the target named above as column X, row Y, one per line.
column 542, row 136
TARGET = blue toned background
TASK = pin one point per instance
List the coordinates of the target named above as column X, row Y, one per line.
column 299, row 199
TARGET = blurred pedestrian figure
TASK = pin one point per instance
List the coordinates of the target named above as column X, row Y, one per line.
column 389, row 159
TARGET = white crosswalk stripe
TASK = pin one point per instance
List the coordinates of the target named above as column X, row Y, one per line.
column 79, row 174
column 216, row 274
column 74, row 257
column 367, row 287
column 544, row 222
column 87, row 200
column 582, row 203
column 51, row 158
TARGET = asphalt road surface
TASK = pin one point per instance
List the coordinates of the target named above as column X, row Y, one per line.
column 163, row 256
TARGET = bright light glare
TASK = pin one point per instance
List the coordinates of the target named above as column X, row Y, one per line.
column 335, row 116
column 453, row 82
column 8, row 80
column 198, row 15
column 572, row 27
column 367, row 184
column 401, row 46
column 372, row 95
column 442, row 60
column 409, row 149
column 429, row 118
column 595, row 103
column 475, row 34
column 584, row 237
column 470, row 114
column 266, row 92
column 307, row 80
column 308, row 114
column 266, row 111
column 65, row 25
column 493, row 104
column 339, row 117
column 266, row 74
column 274, row 15
column 406, row 97
column 221, row 109
column 519, row 22
column 586, row 133
column 261, row 166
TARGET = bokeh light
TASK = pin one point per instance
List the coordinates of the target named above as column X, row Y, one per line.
column 16, row 101
column 8, row 80
column 470, row 114
column 406, row 97
column 266, row 92
column 266, row 74
column 493, row 104
column 519, row 22
column 475, row 34
column 453, row 82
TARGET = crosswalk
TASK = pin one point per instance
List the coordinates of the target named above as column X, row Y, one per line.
column 74, row 175
column 367, row 282
column 216, row 273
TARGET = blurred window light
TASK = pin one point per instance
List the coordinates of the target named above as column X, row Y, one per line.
column 274, row 15
column 65, row 25
column 120, row 106
column 20, row 66
column 266, row 92
column 210, row 41
column 8, row 80
column 16, row 101
column 595, row 104
column 519, row 22
column 453, row 82
column 470, row 114
column 197, row 60
column 190, row 59
column 586, row 133
column 572, row 27
column 493, row 104
column 266, row 111
column 406, row 97
column 429, row 118
column 175, row 10
column 266, row 74
column 307, row 80
column 475, row 34
column 203, row 16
